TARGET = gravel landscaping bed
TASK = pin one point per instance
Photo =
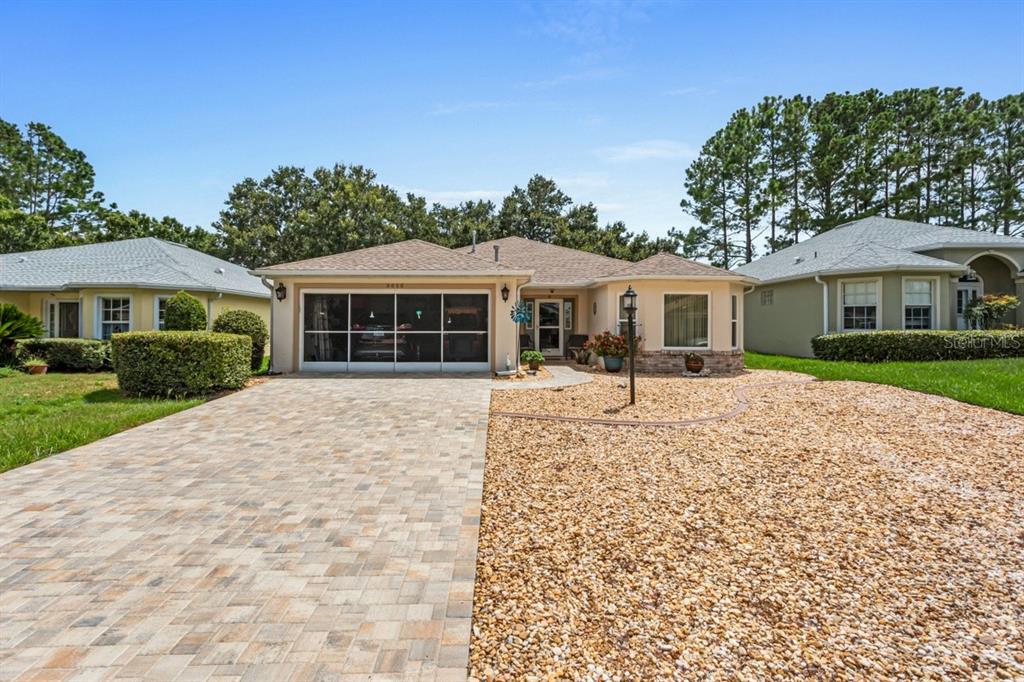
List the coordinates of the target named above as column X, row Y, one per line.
column 657, row 397
column 833, row 530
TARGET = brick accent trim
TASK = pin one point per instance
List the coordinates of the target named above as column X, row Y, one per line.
column 674, row 361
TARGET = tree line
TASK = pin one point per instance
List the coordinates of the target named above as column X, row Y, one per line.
column 789, row 168
column 48, row 199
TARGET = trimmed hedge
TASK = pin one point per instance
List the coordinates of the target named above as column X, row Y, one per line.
column 184, row 312
column 180, row 364
column 249, row 324
column 69, row 355
column 891, row 346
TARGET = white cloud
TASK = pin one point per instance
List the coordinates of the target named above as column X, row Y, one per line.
column 646, row 150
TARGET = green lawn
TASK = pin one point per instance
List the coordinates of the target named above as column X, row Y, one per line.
column 43, row 415
column 990, row 383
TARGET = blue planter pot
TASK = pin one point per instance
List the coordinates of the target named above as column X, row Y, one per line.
column 613, row 365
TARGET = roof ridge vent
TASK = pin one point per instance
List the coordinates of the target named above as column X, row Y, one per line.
column 798, row 259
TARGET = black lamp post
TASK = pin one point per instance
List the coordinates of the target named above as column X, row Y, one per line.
column 629, row 304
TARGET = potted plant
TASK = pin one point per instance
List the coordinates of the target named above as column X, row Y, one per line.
column 36, row 365
column 532, row 358
column 611, row 348
column 694, row 363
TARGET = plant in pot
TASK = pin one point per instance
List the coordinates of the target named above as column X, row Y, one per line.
column 694, row 363
column 532, row 358
column 611, row 347
column 36, row 366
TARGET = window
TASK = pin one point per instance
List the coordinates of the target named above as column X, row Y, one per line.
column 735, row 322
column 115, row 316
column 918, row 303
column 686, row 320
column 567, row 313
column 767, row 296
column 161, row 311
column 860, row 305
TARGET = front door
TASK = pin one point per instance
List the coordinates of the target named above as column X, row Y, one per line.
column 965, row 293
column 64, row 316
column 549, row 327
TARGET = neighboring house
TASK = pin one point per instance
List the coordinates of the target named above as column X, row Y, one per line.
column 95, row 290
column 416, row 306
column 877, row 273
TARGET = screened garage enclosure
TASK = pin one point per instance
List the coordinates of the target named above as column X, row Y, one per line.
column 422, row 331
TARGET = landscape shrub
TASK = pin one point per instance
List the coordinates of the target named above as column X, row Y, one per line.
column 248, row 324
column 185, row 313
column 69, row 355
column 180, row 364
column 15, row 325
column 890, row 346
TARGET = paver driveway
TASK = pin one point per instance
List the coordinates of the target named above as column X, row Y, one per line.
column 315, row 528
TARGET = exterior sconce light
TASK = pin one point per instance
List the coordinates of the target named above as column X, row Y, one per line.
column 280, row 292
column 504, row 292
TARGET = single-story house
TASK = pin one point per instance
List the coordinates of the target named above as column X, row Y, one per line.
column 417, row 306
column 95, row 290
column 877, row 273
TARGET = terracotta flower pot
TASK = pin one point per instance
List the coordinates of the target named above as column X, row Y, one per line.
column 534, row 366
column 695, row 364
column 611, row 364
column 38, row 369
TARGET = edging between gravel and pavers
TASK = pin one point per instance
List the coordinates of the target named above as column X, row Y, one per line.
column 741, row 406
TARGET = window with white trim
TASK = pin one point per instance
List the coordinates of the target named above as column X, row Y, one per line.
column 860, row 305
column 160, row 312
column 686, row 320
column 115, row 315
column 767, row 296
column 918, row 304
column 735, row 321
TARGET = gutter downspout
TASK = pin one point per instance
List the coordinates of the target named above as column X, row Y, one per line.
column 270, row 355
column 824, row 303
column 209, row 310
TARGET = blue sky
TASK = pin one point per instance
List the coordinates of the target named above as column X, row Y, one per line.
column 175, row 102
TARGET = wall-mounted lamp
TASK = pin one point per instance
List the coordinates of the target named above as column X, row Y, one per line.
column 504, row 292
column 280, row 292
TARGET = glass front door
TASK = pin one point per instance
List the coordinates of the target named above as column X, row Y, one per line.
column 549, row 327
column 965, row 293
column 63, row 322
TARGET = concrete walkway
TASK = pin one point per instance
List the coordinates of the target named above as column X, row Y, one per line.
column 303, row 529
column 561, row 375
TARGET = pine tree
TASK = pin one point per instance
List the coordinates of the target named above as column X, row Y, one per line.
column 1005, row 164
column 795, row 143
column 769, row 120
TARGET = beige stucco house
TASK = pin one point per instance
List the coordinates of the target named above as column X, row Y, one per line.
column 873, row 274
column 416, row 306
column 95, row 290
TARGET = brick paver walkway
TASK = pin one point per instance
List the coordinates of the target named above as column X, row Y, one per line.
column 302, row 529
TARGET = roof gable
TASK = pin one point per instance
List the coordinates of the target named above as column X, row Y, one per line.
column 146, row 262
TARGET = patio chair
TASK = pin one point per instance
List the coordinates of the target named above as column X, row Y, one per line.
column 575, row 345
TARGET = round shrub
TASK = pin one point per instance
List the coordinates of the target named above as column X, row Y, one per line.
column 180, row 364
column 248, row 324
column 184, row 313
column 69, row 355
column 892, row 346
column 14, row 326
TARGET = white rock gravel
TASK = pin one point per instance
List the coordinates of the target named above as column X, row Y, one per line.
column 834, row 530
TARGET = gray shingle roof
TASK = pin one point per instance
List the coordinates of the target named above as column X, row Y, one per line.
column 874, row 243
column 412, row 255
column 147, row 263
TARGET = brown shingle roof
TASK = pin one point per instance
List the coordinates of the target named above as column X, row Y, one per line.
column 671, row 265
column 554, row 264
column 551, row 264
column 413, row 255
